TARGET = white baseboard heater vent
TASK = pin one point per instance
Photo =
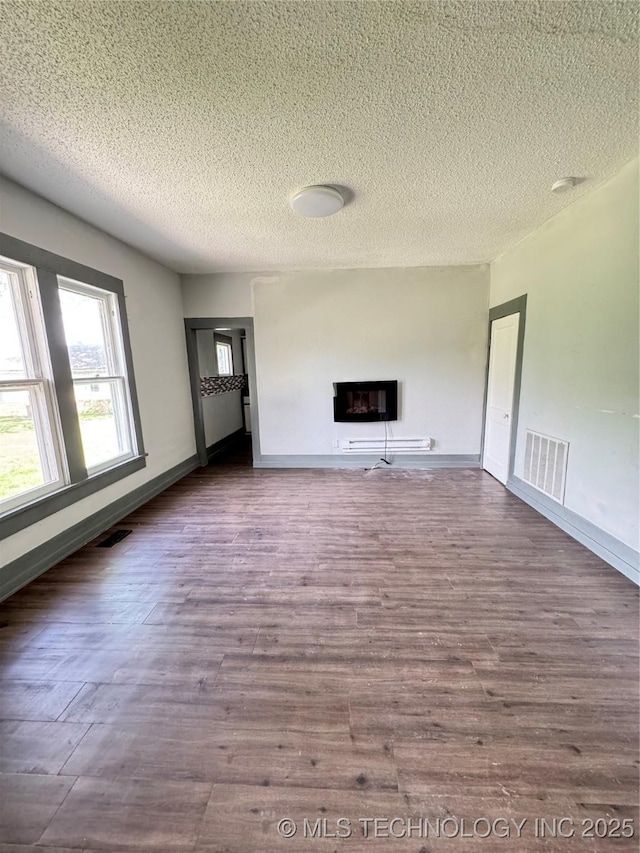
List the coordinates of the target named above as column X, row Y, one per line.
column 545, row 464
column 393, row 445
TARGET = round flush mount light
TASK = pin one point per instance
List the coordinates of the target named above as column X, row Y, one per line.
column 316, row 201
column 564, row 184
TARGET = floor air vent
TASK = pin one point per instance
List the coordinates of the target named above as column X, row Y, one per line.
column 113, row 539
column 545, row 464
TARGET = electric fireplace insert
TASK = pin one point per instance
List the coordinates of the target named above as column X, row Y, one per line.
column 355, row 402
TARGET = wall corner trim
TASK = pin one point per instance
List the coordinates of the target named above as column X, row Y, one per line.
column 619, row 555
column 31, row 565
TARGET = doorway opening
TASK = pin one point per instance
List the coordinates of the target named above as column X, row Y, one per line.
column 502, row 395
column 222, row 374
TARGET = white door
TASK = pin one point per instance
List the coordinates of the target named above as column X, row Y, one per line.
column 502, row 373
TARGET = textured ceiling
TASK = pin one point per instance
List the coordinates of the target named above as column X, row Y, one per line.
column 182, row 127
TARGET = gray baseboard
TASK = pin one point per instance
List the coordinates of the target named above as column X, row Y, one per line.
column 224, row 443
column 29, row 566
column 367, row 460
column 622, row 557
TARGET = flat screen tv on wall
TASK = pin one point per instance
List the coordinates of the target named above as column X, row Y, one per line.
column 355, row 402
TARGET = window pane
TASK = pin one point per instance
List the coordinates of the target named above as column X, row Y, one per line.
column 103, row 421
column 11, row 360
column 223, row 354
column 21, row 466
column 84, row 328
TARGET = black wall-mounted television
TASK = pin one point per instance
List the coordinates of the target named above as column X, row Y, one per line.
column 355, row 402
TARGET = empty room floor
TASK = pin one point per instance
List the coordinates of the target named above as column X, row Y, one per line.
column 316, row 645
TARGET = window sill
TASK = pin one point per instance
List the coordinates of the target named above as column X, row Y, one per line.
column 17, row 519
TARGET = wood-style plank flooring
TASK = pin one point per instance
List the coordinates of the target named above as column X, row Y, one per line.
column 322, row 644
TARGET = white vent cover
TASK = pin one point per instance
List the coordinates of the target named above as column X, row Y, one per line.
column 545, row 464
column 377, row 445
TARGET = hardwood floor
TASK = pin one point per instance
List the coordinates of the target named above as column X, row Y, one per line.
column 322, row 644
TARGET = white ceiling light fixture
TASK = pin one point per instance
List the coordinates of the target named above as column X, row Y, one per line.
column 564, row 184
column 316, row 201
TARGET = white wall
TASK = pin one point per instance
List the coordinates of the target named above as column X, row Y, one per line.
column 222, row 414
column 217, row 295
column 580, row 371
column 426, row 327
column 154, row 309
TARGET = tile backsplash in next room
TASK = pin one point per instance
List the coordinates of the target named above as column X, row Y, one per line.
column 221, row 384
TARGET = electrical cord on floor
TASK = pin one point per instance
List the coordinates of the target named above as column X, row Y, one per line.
column 382, row 458
column 386, row 440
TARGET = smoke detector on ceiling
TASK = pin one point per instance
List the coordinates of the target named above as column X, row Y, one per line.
column 316, row 201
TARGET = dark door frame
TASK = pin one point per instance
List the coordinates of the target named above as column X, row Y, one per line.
column 514, row 306
column 191, row 326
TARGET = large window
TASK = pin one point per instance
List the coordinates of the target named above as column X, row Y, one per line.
column 69, row 422
column 94, row 344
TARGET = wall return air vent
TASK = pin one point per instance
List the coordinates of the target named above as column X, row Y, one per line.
column 545, row 464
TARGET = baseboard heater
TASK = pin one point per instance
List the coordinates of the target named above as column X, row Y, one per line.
column 393, row 445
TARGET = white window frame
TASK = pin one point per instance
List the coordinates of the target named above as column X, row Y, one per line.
column 116, row 375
